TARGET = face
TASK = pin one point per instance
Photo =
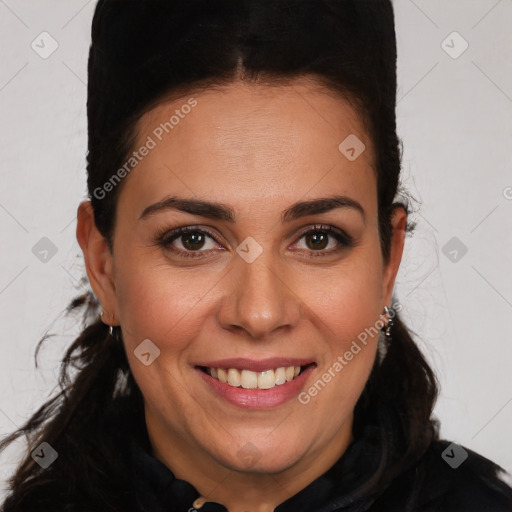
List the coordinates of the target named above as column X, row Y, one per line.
column 266, row 276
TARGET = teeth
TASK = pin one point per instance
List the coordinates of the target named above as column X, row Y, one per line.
column 221, row 374
column 234, row 377
column 248, row 380
column 267, row 379
column 280, row 375
column 252, row 380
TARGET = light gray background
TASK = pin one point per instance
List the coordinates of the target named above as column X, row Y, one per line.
column 454, row 117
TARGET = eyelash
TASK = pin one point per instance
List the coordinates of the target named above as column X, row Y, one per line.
column 165, row 239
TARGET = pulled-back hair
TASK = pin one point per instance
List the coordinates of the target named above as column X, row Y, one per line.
column 146, row 52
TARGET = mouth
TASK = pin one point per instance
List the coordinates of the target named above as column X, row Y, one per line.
column 248, row 379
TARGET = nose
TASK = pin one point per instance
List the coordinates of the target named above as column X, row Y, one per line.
column 259, row 298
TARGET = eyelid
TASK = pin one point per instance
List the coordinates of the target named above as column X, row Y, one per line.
column 165, row 237
column 324, row 227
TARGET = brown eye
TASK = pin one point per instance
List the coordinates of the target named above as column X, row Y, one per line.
column 193, row 241
column 317, row 240
column 189, row 242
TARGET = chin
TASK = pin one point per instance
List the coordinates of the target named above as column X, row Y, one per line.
column 250, row 459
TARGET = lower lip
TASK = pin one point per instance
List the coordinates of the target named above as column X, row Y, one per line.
column 258, row 398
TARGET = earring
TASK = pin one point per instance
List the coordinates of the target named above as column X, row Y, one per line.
column 391, row 313
column 110, row 327
column 385, row 337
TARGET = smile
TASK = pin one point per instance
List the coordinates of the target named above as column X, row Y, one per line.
column 248, row 379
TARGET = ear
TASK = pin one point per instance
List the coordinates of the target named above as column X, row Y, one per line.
column 98, row 262
column 398, row 223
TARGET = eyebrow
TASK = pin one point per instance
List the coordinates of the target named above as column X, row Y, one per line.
column 220, row 211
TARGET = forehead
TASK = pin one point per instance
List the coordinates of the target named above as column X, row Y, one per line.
column 253, row 142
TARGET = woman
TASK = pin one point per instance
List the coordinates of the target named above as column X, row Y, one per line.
column 242, row 241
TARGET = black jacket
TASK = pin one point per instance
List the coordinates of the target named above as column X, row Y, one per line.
column 372, row 475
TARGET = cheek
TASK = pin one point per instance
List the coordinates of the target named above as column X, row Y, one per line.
column 346, row 300
column 346, row 309
column 161, row 303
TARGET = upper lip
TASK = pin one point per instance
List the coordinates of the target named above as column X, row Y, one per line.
column 254, row 365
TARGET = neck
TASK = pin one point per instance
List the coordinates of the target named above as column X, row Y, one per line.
column 237, row 490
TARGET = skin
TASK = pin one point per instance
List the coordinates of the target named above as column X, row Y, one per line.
column 258, row 149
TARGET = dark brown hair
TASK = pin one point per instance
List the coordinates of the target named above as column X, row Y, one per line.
column 144, row 52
